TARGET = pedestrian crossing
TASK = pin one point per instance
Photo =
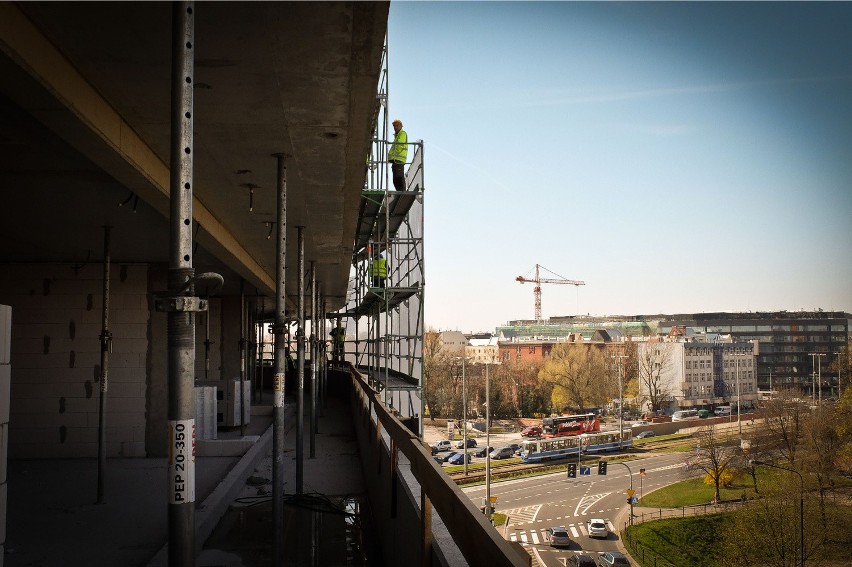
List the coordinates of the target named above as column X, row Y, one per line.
column 536, row 537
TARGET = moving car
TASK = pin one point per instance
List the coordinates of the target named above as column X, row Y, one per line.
column 645, row 435
column 639, row 423
column 557, row 537
column 597, row 528
column 611, row 558
column 531, row 431
column 483, row 451
column 502, row 453
column 459, row 458
column 470, row 443
column 581, row 560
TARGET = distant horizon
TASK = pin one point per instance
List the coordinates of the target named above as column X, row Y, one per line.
column 847, row 315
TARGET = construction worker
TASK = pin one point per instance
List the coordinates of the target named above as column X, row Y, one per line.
column 338, row 336
column 397, row 155
column 379, row 270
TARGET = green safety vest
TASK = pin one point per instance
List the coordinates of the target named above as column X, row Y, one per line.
column 379, row 268
column 399, row 147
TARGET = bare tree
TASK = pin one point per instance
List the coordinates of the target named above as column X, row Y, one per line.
column 437, row 389
column 783, row 417
column 652, row 361
column 716, row 457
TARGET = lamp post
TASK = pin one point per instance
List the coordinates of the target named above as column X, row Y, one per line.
column 620, row 398
column 817, row 375
column 487, row 441
column 801, row 505
column 464, row 415
column 838, row 372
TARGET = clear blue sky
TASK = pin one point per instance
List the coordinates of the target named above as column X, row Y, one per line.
column 677, row 157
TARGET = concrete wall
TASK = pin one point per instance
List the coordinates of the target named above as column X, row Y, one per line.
column 55, row 354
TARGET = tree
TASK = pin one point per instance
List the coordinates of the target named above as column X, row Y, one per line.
column 783, row 416
column 716, row 458
column 578, row 374
column 653, row 359
column 437, row 389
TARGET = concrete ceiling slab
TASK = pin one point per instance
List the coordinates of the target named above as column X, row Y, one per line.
column 85, row 112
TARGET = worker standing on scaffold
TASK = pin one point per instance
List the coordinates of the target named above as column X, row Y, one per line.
column 338, row 336
column 397, row 156
column 378, row 270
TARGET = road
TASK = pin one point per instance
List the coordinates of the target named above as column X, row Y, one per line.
column 537, row 503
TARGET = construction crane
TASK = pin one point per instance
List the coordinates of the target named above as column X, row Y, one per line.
column 539, row 280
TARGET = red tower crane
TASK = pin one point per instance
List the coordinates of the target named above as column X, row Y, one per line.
column 539, row 280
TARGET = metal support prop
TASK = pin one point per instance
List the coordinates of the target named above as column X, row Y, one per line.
column 324, row 376
column 106, row 347
column 300, row 366
column 181, row 320
column 242, row 343
column 312, row 411
column 280, row 370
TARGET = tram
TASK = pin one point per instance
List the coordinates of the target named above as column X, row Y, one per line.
column 554, row 449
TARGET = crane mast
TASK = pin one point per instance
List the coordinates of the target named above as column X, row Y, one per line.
column 539, row 280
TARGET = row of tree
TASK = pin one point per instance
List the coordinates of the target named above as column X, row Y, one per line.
column 574, row 376
column 813, row 444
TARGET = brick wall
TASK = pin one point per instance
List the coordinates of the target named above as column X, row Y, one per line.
column 55, row 354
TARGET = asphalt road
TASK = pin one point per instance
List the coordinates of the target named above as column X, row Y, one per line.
column 537, row 503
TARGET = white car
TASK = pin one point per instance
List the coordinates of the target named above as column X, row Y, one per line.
column 597, row 528
column 639, row 423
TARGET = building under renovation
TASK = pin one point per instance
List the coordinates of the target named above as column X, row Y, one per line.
column 193, row 199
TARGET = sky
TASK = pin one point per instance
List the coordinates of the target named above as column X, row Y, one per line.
column 676, row 157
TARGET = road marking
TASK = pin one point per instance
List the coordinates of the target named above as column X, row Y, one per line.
column 524, row 515
column 534, row 536
column 587, row 502
column 574, row 531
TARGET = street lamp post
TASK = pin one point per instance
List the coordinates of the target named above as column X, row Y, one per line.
column 620, row 398
column 487, row 441
column 817, row 375
column 801, row 506
column 464, row 416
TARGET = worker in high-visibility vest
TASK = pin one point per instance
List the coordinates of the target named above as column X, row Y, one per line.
column 397, row 155
column 379, row 270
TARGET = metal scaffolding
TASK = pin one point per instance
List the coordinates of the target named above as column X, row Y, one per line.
column 385, row 322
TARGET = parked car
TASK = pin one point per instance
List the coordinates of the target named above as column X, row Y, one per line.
column 645, row 435
column 597, row 528
column 502, row 453
column 482, row 451
column 459, row 458
column 516, row 449
column 639, row 423
column 557, row 537
column 581, row 560
column 611, row 558
column 445, row 458
column 470, row 443
column 441, row 445
column 531, row 431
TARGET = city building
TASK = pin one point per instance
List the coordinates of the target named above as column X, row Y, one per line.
column 791, row 348
column 483, row 351
column 696, row 371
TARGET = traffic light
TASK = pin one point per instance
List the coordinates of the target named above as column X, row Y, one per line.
column 601, row 467
column 572, row 470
